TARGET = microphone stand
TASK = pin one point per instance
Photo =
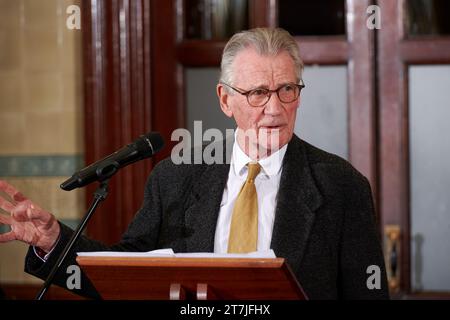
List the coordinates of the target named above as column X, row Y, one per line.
column 99, row 195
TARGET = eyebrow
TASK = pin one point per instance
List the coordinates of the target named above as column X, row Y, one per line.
column 263, row 86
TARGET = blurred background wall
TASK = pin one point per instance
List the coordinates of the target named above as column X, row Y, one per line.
column 41, row 113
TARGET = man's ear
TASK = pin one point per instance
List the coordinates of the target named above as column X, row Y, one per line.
column 223, row 100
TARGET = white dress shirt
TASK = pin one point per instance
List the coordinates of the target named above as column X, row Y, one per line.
column 267, row 183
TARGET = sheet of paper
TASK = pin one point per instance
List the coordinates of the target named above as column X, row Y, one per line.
column 124, row 254
column 256, row 254
column 169, row 253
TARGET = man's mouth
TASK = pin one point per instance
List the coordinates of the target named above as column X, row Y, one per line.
column 272, row 127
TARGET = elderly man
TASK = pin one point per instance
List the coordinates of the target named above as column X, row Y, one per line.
column 278, row 192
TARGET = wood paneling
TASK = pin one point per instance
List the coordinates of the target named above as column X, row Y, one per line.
column 199, row 53
column 262, row 13
column 167, row 74
column 361, row 93
column 394, row 195
column 117, row 68
column 314, row 50
column 332, row 50
column 426, row 50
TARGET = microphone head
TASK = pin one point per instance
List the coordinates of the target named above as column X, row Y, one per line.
column 149, row 143
column 70, row 183
column 143, row 147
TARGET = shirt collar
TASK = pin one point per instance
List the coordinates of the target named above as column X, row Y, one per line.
column 270, row 165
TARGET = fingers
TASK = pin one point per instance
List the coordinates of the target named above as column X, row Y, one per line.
column 19, row 197
column 20, row 214
column 6, row 205
column 27, row 212
column 4, row 219
column 38, row 214
column 11, row 191
column 9, row 236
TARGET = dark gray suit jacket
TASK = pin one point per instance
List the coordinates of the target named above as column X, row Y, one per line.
column 324, row 222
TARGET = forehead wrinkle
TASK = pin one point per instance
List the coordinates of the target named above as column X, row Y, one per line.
column 263, row 71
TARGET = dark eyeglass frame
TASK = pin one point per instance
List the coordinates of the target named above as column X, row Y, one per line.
column 268, row 93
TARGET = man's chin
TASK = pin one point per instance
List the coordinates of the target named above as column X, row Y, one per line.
column 267, row 148
column 271, row 138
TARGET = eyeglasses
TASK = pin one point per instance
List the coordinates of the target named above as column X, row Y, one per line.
column 260, row 96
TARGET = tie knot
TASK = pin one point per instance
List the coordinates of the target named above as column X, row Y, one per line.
column 253, row 170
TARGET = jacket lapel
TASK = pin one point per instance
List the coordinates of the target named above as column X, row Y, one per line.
column 298, row 199
column 204, row 205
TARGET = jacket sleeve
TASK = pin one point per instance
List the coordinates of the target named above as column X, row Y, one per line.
column 141, row 235
column 362, row 271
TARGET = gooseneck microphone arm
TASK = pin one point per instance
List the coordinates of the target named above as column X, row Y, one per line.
column 100, row 194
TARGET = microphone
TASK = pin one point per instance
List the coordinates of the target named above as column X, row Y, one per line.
column 143, row 147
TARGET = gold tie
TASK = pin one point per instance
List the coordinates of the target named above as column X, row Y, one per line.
column 244, row 222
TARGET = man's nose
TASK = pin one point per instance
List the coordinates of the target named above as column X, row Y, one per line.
column 274, row 106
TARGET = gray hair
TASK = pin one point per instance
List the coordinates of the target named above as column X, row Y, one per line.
column 266, row 41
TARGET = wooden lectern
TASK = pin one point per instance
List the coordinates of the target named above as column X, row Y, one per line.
column 176, row 278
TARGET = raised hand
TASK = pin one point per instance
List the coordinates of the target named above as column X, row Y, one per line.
column 29, row 223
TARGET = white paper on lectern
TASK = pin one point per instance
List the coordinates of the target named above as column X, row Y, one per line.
column 256, row 254
column 125, row 254
column 169, row 253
